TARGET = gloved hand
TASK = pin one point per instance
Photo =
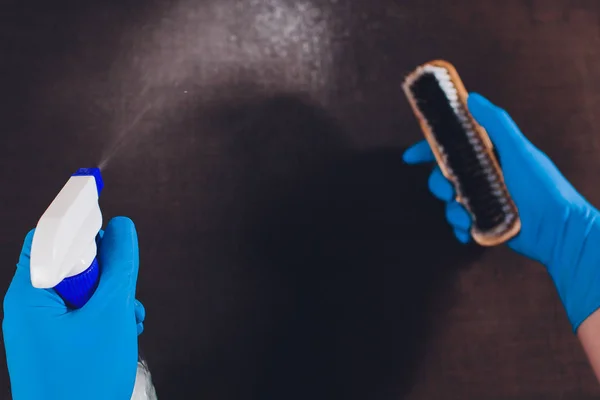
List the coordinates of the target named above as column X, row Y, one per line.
column 58, row 354
column 560, row 229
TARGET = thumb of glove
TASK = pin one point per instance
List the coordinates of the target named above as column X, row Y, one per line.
column 119, row 262
column 502, row 130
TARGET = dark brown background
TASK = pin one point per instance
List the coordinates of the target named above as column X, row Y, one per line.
column 286, row 251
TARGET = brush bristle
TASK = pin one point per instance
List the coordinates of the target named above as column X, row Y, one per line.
column 466, row 158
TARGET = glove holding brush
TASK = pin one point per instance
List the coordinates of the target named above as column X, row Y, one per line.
column 559, row 228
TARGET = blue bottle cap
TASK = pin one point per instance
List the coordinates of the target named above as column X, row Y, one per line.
column 77, row 290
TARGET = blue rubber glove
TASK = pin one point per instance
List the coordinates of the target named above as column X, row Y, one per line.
column 58, row 354
column 560, row 229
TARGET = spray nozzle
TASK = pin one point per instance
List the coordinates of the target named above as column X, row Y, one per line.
column 63, row 251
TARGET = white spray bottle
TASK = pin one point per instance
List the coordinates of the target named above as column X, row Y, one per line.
column 63, row 251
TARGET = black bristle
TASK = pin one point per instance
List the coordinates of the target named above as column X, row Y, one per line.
column 462, row 156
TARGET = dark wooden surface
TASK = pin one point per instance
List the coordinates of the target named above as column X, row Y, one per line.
column 286, row 251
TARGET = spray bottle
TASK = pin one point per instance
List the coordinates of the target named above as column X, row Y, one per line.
column 64, row 251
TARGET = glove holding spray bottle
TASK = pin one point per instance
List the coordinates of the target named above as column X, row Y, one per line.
column 71, row 319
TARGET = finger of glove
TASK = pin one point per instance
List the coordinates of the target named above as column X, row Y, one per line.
column 463, row 236
column 418, row 153
column 457, row 216
column 140, row 328
column 21, row 295
column 502, row 130
column 440, row 186
column 140, row 312
column 119, row 262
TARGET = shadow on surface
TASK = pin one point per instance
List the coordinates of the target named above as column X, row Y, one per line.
column 349, row 255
